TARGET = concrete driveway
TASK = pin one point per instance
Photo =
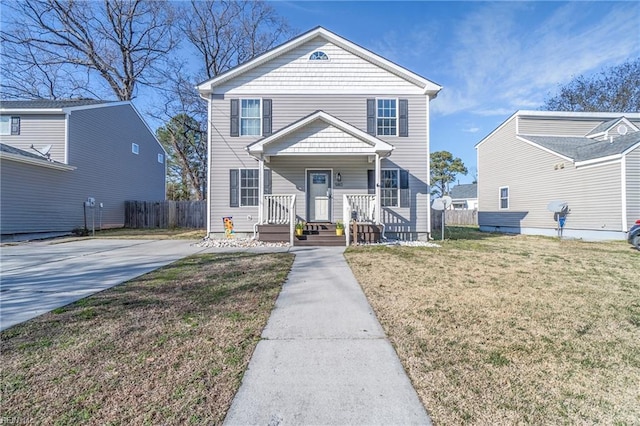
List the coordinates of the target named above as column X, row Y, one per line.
column 40, row 276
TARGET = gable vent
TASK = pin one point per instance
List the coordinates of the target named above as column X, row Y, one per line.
column 318, row 56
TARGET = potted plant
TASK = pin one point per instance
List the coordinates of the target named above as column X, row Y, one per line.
column 299, row 229
column 339, row 228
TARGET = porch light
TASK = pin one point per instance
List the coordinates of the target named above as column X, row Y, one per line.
column 338, row 177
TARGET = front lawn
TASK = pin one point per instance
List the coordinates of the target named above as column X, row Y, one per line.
column 167, row 348
column 496, row 329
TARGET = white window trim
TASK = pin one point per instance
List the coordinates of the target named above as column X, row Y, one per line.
column 397, row 170
column 397, row 115
column 240, row 187
column 500, row 198
column 161, row 158
column 319, row 60
column 135, row 148
column 240, row 118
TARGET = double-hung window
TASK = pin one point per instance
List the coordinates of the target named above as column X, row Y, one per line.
column 249, row 181
column 9, row 125
column 387, row 117
column 504, row 197
column 250, row 117
column 389, row 181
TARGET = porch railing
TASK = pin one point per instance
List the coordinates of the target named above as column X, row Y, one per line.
column 280, row 210
column 358, row 207
column 277, row 209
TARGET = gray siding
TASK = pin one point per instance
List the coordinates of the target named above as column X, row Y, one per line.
column 292, row 72
column 36, row 199
column 535, row 178
column 556, row 126
column 39, row 130
column 632, row 163
column 410, row 153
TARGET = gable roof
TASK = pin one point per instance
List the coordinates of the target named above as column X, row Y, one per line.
column 428, row 86
column 370, row 144
column 49, row 103
column 609, row 116
column 584, row 149
column 464, row 191
column 603, row 128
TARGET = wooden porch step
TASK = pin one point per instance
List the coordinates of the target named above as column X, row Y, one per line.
column 320, row 240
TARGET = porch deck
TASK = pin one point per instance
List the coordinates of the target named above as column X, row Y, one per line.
column 320, row 234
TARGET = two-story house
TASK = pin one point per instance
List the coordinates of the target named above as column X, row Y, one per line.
column 588, row 162
column 57, row 154
column 319, row 130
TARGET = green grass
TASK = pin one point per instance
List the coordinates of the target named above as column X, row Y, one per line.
column 506, row 329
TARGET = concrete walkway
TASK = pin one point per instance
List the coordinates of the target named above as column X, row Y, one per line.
column 324, row 358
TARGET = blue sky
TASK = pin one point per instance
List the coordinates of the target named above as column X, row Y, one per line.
column 491, row 58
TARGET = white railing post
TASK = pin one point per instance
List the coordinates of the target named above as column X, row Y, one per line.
column 346, row 218
column 292, row 219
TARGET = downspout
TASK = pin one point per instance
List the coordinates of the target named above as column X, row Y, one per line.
column 428, row 171
column 209, row 126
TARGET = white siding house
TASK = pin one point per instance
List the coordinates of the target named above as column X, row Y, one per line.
column 57, row 154
column 591, row 161
column 319, row 130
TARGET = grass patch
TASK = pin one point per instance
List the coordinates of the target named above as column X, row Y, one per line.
column 167, row 348
column 504, row 329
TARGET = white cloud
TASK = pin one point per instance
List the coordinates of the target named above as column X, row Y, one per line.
column 471, row 130
column 499, row 62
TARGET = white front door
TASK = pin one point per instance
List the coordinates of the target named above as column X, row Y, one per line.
column 319, row 195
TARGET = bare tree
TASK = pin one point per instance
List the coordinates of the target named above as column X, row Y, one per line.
column 614, row 89
column 58, row 48
column 223, row 34
column 227, row 33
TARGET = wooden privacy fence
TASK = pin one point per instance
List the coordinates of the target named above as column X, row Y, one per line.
column 454, row 217
column 165, row 214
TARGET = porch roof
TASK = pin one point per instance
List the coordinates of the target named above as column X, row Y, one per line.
column 319, row 134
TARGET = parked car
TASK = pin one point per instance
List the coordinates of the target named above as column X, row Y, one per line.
column 634, row 235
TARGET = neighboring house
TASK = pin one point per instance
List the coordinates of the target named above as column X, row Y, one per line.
column 589, row 160
column 57, row 154
column 323, row 125
column 464, row 197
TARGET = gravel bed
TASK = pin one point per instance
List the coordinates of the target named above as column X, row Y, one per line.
column 401, row 243
column 237, row 243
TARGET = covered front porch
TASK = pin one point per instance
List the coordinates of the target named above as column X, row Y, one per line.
column 323, row 174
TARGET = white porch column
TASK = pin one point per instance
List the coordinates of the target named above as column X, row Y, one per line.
column 378, row 217
column 260, row 190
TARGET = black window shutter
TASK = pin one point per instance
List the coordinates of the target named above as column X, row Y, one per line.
column 404, row 118
column 371, row 116
column 266, row 117
column 267, row 181
column 371, row 181
column 235, row 117
column 234, row 188
column 15, row 125
column 405, row 192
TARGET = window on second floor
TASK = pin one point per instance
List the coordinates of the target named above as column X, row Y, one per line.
column 386, row 117
column 135, row 148
column 250, row 117
column 9, row 125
